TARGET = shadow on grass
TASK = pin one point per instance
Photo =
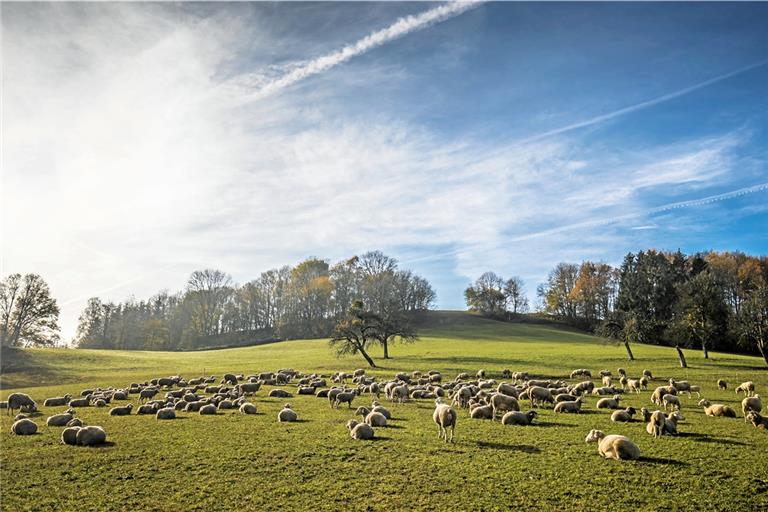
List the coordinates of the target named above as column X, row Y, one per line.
column 665, row 462
column 525, row 448
column 106, row 444
column 380, row 438
column 389, row 425
column 547, row 424
column 704, row 438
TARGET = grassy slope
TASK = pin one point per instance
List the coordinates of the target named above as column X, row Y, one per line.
column 205, row 463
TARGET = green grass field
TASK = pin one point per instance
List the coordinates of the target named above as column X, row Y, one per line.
column 236, row 462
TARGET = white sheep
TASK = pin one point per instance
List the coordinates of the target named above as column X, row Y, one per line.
column 609, row 403
column 248, row 408
column 519, row 418
column 20, row 401
column 745, row 387
column 69, row 435
column 375, row 407
column 614, row 446
column 569, row 407
column 24, row 427
column 166, row 413
column 376, row 419
column 751, row 403
column 671, row 400
column 445, row 417
column 481, row 412
column 287, row 414
column 540, row 395
column 121, row 411
column 91, row 435
column 717, row 410
column 504, row 403
column 207, row 410
column 57, row 401
column 623, row 415
column 59, row 420
column 359, row 431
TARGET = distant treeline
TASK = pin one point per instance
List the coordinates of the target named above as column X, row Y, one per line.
column 708, row 301
column 304, row 301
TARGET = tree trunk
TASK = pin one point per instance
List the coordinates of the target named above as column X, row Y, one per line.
column 366, row 356
column 629, row 351
column 761, row 348
column 386, row 348
column 706, row 352
column 681, row 357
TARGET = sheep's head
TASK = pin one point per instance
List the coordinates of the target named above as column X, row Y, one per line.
column 594, row 436
column 631, row 411
column 351, row 424
column 287, row 406
column 677, row 415
column 704, row 402
column 617, row 397
column 362, row 411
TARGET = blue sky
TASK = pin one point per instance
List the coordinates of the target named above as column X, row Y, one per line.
column 144, row 141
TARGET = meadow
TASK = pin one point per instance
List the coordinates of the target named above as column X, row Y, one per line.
column 236, row 462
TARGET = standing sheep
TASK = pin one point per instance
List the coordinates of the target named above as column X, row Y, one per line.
column 614, row 446
column 722, row 385
column 745, row 387
column 20, row 401
column 445, row 417
column 751, row 403
column 503, row 403
column 569, row 407
column 671, row 400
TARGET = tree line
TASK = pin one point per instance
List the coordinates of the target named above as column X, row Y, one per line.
column 707, row 301
column 304, row 301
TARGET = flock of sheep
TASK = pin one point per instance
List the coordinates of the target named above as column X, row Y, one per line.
column 482, row 397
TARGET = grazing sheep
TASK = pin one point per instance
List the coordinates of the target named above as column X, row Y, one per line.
column 229, row 378
column 445, row 417
column 279, row 393
column 745, row 387
column 722, row 385
column 758, row 420
column 24, row 427
column 248, row 408
column 614, row 446
column 504, row 403
column 359, row 431
column 660, row 391
column 69, row 435
column 148, row 393
column 624, row 415
column 583, row 387
column 167, row 413
column 671, row 400
column 400, row 393
column 57, row 401
column 75, row 422
column 91, row 435
column 376, row 419
column 20, row 401
column 287, row 414
column 609, row 403
column 647, row 374
column 519, row 418
column 717, row 410
column 344, row 396
column 581, row 372
column 59, row 420
column 248, row 388
column 605, row 373
column 694, row 389
column 540, row 395
column 569, row 407
column 751, row 403
column 121, row 411
column 208, row 409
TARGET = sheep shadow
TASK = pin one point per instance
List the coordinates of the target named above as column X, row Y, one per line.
column 105, row 444
column 547, row 424
column 380, row 438
column 704, row 438
column 509, row 447
column 389, row 425
column 663, row 462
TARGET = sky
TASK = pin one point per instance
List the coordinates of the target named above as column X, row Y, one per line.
column 141, row 142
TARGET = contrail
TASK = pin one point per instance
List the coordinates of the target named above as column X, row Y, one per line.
column 400, row 28
column 761, row 187
column 642, row 105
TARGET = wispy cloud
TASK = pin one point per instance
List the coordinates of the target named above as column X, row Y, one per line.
column 298, row 71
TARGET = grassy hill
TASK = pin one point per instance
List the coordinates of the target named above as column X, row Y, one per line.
column 246, row 462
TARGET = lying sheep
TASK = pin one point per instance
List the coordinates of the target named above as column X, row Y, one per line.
column 146, row 409
column 248, row 408
column 75, row 422
column 583, row 387
column 359, row 431
column 569, row 407
column 671, row 400
column 745, row 387
column 69, row 435
column 59, row 420
column 287, row 414
column 623, row 415
column 481, row 412
column 609, row 403
column 758, row 420
column 717, row 410
column 91, row 435
column 121, row 411
column 519, row 418
column 207, row 410
column 79, row 402
column 279, row 393
column 445, row 417
column 20, row 401
column 24, row 427
column 375, row 407
column 751, row 403
column 166, row 413
column 605, row 390
column 376, row 419
column 614, row 446
column 57, row 401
